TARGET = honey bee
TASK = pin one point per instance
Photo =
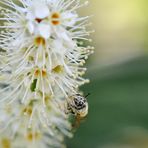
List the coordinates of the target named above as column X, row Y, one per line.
column 78, row 106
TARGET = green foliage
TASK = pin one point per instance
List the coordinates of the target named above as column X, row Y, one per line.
column 119, row 99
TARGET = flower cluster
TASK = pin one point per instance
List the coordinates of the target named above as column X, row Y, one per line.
column 42, row 58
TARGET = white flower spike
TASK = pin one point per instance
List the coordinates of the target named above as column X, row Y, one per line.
column 41, row 68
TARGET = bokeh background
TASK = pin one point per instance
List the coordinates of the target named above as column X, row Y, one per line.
column 118, row 104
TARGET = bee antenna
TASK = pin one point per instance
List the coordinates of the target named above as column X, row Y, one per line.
column 87, row 95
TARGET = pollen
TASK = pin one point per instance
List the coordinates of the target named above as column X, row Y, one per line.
column 27, row 111
column 37, row 72
column 39, row 41
column 55, row 18
column 5, row 143
column 58, row 69
column 44, row 73
column 47, row 99
column 31, row 58
column 33, row 136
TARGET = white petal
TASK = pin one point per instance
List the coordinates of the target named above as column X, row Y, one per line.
column 41, row 11
column 68, row 15
column 69, row 19
column 44, row 30
column 58, row 47
column 30, row 27
column 62, row 33
column 30, row 16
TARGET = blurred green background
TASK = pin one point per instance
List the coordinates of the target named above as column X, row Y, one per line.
column 118, row 104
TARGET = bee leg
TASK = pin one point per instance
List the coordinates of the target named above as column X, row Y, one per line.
column 77, row 121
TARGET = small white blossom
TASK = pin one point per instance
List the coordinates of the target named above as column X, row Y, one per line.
column 41, row 67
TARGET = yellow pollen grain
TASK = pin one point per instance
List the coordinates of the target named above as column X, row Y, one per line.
column 39, row 41
column 31, row 58
column 28, row 111
column 5, row 143
column 47, row 98
column 44, row 73
column 55, row 18
column 58, row 69
column 37, row 72
column 33, row 136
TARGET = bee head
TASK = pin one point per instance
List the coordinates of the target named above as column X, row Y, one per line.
column 80, row 102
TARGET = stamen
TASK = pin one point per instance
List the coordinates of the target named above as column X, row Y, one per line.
column 58, row 69
column 37, row 72
column 33, row 136
column 44, row 73
column 47, row 99
column 28, row 111
column 40, row 41
column 55, row 18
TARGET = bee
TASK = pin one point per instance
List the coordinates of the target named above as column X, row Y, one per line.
column 78, row 106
